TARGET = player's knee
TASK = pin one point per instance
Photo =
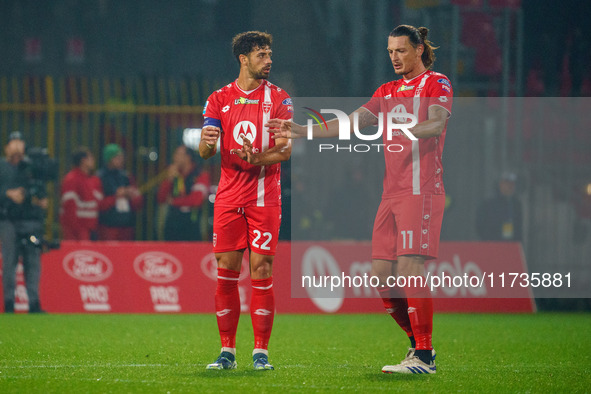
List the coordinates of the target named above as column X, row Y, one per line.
column 261, row 270
column 411, row 265
column 229, row 261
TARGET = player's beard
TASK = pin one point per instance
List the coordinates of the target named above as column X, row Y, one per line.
column 261, row 74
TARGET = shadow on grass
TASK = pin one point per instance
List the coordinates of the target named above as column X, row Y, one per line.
column 389, row 377
column 224, row 374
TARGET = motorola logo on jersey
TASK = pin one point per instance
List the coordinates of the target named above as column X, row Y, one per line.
column 246, row 129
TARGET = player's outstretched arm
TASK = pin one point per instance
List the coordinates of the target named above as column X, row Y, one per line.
column 280, row 152
column 434, row 126
column 209, row 140
column 281, row 128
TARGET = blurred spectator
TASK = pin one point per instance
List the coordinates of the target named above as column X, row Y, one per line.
column 21, row 218
column 80, row 198
column 121, row 198
column 184, row 190
column 500, row 218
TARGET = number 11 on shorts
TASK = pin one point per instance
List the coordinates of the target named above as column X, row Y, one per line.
column 406, row 235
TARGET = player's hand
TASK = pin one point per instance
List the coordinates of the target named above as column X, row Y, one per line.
column 246, row 152
column 282, row 128
column 210, row 135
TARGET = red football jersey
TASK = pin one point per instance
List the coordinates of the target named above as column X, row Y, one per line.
column 413, row 167
column 238, row 112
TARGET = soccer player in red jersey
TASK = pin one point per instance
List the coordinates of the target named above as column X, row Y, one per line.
column 247, row 208
column 408, row 222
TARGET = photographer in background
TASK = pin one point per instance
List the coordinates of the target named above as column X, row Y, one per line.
column 22, row 212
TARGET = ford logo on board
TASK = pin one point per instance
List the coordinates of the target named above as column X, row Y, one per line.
column 158, row 267
column 88, row 266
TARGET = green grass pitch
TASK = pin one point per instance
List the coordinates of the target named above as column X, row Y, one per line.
column 168, row 353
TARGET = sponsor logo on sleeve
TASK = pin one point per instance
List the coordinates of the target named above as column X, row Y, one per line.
column 287, row 101
column 444, row 82
column 447, row 89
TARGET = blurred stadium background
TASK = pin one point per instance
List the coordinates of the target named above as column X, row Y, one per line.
column 137, row 73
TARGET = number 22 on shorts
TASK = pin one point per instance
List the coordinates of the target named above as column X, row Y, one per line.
column 267, row 238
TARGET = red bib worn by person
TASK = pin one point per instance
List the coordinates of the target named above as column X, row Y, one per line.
column 80, row 197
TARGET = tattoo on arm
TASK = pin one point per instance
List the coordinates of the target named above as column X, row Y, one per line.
column 366, row 118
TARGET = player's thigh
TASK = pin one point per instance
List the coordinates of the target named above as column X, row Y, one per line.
column 229, row 229
column 383, row 240
column 418, row 222
column 263, row 229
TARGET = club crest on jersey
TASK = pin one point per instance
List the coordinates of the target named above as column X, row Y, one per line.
column 404, row 88
column 267, row 105
column 244, row 100
column 246, row 129
column 400, row 109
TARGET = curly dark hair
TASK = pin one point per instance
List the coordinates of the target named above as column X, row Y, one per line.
column 417, row 36
column 244, row 43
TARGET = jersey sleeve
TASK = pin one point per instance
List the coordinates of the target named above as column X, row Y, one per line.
column 440, row 92
column 284, row 106
column 374, row 104
column 212, row 111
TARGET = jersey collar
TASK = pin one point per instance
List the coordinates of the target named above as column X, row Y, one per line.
column 247, row 92
column 410, row 80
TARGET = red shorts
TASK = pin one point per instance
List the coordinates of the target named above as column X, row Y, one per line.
column 410, row 225
column 256, row 228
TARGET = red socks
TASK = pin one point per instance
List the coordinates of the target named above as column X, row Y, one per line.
column 413, row 311
column 420, row 313
column 227, row 306
column 396, row 305
column 262, row 311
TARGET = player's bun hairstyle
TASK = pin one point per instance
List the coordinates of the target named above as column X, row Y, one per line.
column 417, row 37
column 244, row 43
